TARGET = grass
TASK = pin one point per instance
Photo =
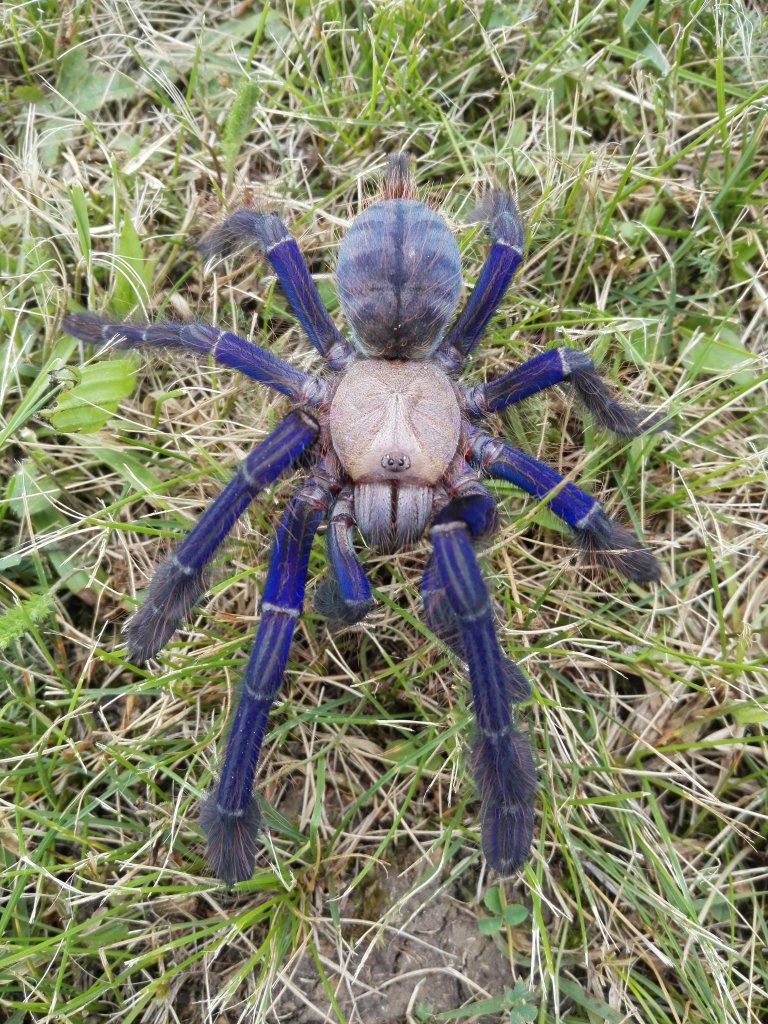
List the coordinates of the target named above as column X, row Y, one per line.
column 634, row 135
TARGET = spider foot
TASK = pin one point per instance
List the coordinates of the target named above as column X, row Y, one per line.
column 608, row 412
column 243, row 227
column 88, row 327
column 330, row 603
column 173, row 592
column 97, row 330
column 506, row 778
column 604, row 542
column 516, row 684
column 506, row 835
column 438, row 612
column 231, row 838
column 502, row 218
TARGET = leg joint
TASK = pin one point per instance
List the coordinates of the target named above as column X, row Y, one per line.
column 496, row 734
column 260, row 696
column 455, row 524
column 182, row 567
column 574, row 360
column 586, row 519
column 279, row 609
column 226, row 812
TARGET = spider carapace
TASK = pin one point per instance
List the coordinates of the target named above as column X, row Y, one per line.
column 396, row 450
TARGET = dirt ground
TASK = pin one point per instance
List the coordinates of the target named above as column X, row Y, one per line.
column 427, row 955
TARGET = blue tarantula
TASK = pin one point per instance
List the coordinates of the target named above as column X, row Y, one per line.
column 396, row 450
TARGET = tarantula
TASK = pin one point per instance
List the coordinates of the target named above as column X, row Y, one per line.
column 396, row 451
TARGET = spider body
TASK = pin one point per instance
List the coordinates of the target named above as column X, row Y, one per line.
column 395, row 427
column 396, row 451
column 398, row 277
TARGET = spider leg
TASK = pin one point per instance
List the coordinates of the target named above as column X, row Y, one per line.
column 226, row 348
column 230, row 816
column 344, row 594
column 272, row 239
column 504, row 226
column 602, row 540
column 442, row 620
column 179, row 582
column 502, row 760
column 553, row 367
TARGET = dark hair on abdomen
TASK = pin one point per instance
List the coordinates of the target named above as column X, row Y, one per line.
column 398, row 277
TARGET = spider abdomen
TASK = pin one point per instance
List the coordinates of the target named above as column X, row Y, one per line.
column 398, row 277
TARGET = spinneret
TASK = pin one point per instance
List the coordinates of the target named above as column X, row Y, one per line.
column 395, row 451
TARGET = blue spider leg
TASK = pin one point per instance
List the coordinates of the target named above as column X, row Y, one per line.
column 602, row 541
column 476, row 507
column 204, row 339
column 271, row 237
column 504, row 226
column 501, row 756
column 442, row 620
column 180, row 581
column 344, row 594
column 230, row 816
column 553, row 367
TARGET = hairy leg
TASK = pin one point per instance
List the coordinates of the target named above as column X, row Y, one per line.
column 230, row 815
column 180, row 581
column 505, row 228
column 203, row 339
column 344, row 594
column 271, row 237
column 553, row 367
column 602, row 541
column 442, row 619
column 501, row 756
